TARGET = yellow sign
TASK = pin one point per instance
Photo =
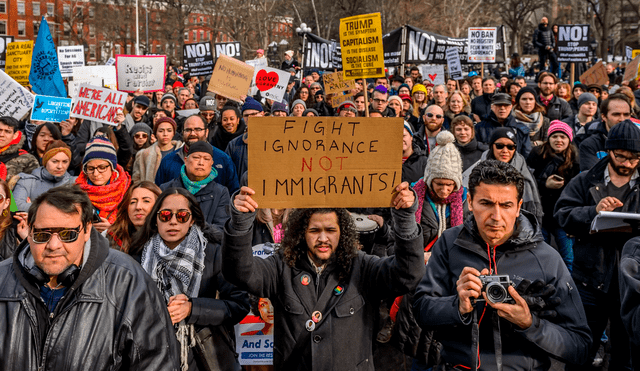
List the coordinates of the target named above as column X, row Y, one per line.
column 361, row 43
column 324, row 161
column 334, row 83
column 19, row 61
column 635, row 53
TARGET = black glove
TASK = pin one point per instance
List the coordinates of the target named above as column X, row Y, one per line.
column 538, row 296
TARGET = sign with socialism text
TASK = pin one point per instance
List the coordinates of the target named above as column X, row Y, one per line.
column 361, row 46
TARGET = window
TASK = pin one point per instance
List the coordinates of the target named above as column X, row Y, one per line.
column 92, row 52
column 195, row 35
column 118, row 49
column 22, row 28
column 64, row 42
column 201, row 35
column 128, row 48
column 21, row 8
column 36, row 9
column 67, row 30
column 3, row 6
column 51, row 10
column 66, row 11
column 3, row 27
column 36, row 28
column 186, row 36
column 80, row 27
column 92, row 12
column 92, row 31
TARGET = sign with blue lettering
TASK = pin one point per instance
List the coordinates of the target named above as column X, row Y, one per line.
column 52, row 109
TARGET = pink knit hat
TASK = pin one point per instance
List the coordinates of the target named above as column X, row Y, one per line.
column 559, row 126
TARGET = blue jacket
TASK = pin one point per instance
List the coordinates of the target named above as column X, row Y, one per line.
column 485, row 128
column 237, row 150
column 213, row 200
column 172, row 163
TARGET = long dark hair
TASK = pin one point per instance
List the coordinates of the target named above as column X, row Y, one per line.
column 294, row 245
column 570, row 156
column 55, row 134
column 310, row 102
column 150, row 227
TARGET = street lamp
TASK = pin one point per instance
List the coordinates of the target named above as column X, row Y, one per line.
column 137, row 31
column 303, row 30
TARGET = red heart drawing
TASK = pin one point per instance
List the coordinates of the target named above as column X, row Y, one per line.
column 433, row 77
column 266, row 81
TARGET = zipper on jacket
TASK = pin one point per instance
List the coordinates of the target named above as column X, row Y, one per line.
column 52, row 319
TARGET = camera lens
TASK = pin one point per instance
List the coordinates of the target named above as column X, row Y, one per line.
column 496, row 293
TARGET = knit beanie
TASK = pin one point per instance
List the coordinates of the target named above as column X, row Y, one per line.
column 163, row 120
column 169, row 96
column 625, row 136
column 310, row 110
column 406, row 97
column 559, row 126
column 418, row 87
column 345, row 104
column 53, row 148
column 579, row 85
column 201, row 146
column 395, row 97
column 140, row 127
column 503, row 132
column 526, row 89
column 586, row 97
column 280, row 106
column 444, row 161
column 409, row 129
column 297, row 101
column 250, row 103
column 100, row 148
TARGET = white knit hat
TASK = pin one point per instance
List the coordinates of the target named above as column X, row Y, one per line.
column 444, row 161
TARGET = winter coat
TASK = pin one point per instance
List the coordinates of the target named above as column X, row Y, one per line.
column 592, row 147
column 213, row 200
column 172, row 163
column 557, row 109
column 524, row 256
column 9, row 242
column 112, row 317
column 517, row 71
column 595, row 255
column 343, row 339
column 629, row 279
column 481, row 106
column 413, row 167
column 449, row 116
column 30, row 186
column 237, row 151
column 537, row 123
column 17, row 160
column 485, row 128
column 471, row 152
column 148, row 161
column 543, row 37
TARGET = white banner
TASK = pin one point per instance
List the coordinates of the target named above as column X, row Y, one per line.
column 433, row 73
column 140, row 72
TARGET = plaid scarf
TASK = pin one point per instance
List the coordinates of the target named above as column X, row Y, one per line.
column 177, row 271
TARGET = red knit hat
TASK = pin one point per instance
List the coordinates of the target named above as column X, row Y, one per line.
column 177, row 84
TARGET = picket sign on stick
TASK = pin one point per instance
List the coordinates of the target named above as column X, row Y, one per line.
column 595, row 75
column 15, row 100
column 97, row 104
column 141, row 72
column 231, row 78
column 272, row 83
column 19, row 61
column 335, row 83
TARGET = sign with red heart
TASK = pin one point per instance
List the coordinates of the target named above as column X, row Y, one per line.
column 266, row 80
column 433, row 72
column 270, row 82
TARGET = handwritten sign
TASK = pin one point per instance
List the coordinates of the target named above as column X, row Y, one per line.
column 19, row 61
column 324, row 161
column 433, row 73
column 337, row 99
column 52, row 109
column 97, row 104
column 231, row 78
column 453, row 63
column 335, row 83
column 595, row 75
column 482, row 44
column 136, row 72
column 631, row 72
column 69, row 57
column 198, row 58
column 361, row 46
column 15, row 101
column 4, row 41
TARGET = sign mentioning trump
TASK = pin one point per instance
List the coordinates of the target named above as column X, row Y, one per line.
column 573, row 43
column 361, row 46
column 136, row 72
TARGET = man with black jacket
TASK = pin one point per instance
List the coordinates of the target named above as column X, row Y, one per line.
column 69, row 302
column 543, row 318
column 501, row 115
column 557, row 108
column 610, row 185
column 544, row 40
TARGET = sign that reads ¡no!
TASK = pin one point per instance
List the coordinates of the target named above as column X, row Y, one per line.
column 324, row 161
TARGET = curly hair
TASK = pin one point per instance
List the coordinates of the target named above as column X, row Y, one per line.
column 294, row 245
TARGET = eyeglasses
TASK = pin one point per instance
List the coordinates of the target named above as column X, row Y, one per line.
column 430, row 115
column 92, row 169
column 619, row 157
column 194, row 130
column 380, row 101
column 64, row 234
column 140, row 136
column 510, row 147
column 182, row 216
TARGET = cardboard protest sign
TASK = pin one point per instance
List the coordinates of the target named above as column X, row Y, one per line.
column 19, row 61
column 324, row 161
column 595, row 75
column 361, row 45
column 97, row 104
column 254, row 334
column 631, row 72
column 337, row 99
column 433, row 73
column 52, row 109
column 15, row 101
column 453, row 64
column 140, row 72
column 231, row 78
column 198, row 58
column 231, row 49
column 4, row 41
column 271, row 82
column 482, row 44
column 573, row 43
column 69, row 57
column 335, row 83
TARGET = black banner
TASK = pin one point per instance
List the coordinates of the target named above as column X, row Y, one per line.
column 4, row 40
column 392, row 44
column 231, row 49
column 322, row 54
column 573, row 43
column 198, row 58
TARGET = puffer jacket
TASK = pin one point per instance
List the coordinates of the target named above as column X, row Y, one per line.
column 111, row 318
column 344, row 337
column 18, row 160
column 485, row 128
column 543, row 37
column 524, row 256
column 30, row 186
column 595, row 255
column 630, row 294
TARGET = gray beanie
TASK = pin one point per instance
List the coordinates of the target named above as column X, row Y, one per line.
column 141, row 126
column 444, row 161
column 297, row 101
column 586, row 97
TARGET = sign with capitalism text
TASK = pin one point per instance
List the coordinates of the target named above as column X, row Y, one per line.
column 573, row 43
column 140, row 72
column 324, row 161
column 482, row 44
column 361, row 46
column 97, row 104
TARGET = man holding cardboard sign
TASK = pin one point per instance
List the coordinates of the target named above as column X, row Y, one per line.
column 326, row 291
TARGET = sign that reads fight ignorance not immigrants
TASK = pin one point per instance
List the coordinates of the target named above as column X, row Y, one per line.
column 324, row 161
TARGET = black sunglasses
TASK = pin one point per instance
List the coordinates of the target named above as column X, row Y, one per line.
column 510, row 147
column 430, row 115
column 64, row 234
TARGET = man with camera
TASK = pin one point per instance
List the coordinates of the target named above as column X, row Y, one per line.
column 494, row 292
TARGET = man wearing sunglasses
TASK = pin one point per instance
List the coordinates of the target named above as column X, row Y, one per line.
column 501, row 116
column 433, row 119
column 610, row 185
column 69, row 302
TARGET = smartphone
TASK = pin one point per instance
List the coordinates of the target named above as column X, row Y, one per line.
column 96, row 216
column 558, row 177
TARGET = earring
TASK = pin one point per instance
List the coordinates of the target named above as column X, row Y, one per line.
column 5, row 212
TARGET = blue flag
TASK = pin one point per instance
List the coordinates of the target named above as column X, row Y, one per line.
column 45, row 77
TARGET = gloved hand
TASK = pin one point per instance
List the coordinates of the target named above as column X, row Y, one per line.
column 538, row 296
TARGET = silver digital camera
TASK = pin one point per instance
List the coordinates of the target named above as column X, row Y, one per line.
column 496, row 287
